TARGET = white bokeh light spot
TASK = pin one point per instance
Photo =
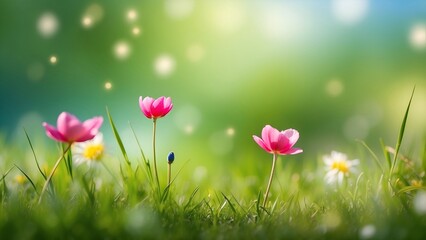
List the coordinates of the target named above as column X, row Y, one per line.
column 136, row 31
column 419, row 203
column 53, row 59
column 87, row 22
column 122, row 50
column 418, row 36
column 279, row 21
column 230, row 131
column 108, row 85
column 92, row 15
column 164, row 65
column 227, row 16
column 47, row 25
column 179, row 9
column 350, row 11
column 132, row 15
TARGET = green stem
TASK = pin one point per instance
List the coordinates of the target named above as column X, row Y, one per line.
column 154, row 128
column 274, row 159
column 53, row 172
column 169, row 178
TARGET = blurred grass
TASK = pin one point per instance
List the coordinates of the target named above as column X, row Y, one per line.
column 244, row 80
column 113, row 201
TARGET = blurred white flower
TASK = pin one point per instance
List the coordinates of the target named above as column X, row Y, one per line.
column 367, row 232
column 90, row 152
column 338, row 166
column 419, row 203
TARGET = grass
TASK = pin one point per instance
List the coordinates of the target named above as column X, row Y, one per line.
column 120, row 199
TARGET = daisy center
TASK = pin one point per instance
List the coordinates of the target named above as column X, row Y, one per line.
column 93, row 152
column 341, row 166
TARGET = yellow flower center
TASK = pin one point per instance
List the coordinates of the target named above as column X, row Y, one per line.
column 341, row 166
column 94, row 152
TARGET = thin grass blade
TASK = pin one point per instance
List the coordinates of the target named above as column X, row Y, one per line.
column 118, row 138
column 34, row 154
column 28, row 177
column 376, row 159
column 401, row 133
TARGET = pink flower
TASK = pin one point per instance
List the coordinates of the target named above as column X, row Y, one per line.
column 155, row 108
column 71, row 130
column 276, row 142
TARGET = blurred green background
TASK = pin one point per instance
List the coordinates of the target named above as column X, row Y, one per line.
column 334, row 70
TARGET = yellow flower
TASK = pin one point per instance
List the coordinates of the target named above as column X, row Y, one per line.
column 20, row 179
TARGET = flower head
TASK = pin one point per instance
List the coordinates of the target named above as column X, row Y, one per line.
column 338, row 166
column 276, row 142
column 171, row 157
column 70, row 129
column 155, row 108
column 90, row 151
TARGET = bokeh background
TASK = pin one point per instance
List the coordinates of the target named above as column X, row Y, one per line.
column 336, row 71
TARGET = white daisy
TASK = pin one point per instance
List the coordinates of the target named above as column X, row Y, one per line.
column 338, row 166
column 90, row 151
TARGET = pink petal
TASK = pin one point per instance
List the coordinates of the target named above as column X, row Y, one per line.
column 167, row 102
column 53, row 133
column 291, row 151
column 86, row 136
column 261, row 143
column 292, row 135
column 93, row 124
column 145, row 105
column 157, row 108
column 274, row 137
column 70, row 127
column 91, row 127
column 265, row 135
column 282, row 143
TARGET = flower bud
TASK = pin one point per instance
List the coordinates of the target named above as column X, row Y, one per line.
column 171, row 157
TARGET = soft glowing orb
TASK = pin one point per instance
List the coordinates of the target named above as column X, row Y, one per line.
column 122, row 50
column 200, row 173
column 419, row 203
column 334, row 87
column 282, row 21
column 92, row 15
column 418, row 36
column 132, row 15
column 350, row 11
column 164, row 65
column 367, row 232
column 227, row 16
column 108, row 85
column 195, row 52
column 188, row 129
column 87, row 21
column 230, row 131
column 47, row 25
column 179, row 9
column 53, row 60
column 136, row 31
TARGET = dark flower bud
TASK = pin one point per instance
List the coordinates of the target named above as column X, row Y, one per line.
column 171, row 157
